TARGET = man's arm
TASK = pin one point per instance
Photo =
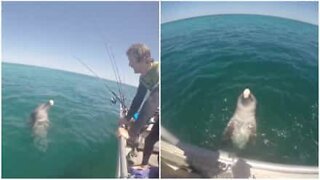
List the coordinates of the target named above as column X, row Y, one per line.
column 137, row 100
column 148, row 109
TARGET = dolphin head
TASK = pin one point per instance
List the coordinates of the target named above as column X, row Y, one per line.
column 41, row 112
column 46, row 106
column 247, row 98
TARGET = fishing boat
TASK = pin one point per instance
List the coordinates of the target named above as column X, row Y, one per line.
column 183, row 160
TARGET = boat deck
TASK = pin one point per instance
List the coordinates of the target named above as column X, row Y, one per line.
column 153, row 161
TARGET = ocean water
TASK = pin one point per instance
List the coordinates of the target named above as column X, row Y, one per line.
column 208, row 61
column 81, row 138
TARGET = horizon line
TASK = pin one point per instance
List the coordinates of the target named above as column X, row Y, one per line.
column 69, row 71
column 186, row 18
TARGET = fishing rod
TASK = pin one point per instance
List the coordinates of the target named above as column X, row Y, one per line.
column 120, row 99
column 115, row 69
column 113, row 64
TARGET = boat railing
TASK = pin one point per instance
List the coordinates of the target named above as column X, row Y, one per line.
column 207, row 161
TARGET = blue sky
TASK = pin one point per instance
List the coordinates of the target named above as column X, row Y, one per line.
column 50, row 34
column 302, row 11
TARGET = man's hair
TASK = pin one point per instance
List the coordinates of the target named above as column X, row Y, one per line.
column 140, row 52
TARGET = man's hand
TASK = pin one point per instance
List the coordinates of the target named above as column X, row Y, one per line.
column 123, row 132
column 123, row 122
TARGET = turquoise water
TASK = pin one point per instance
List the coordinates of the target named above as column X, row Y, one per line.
column 208, row 61
column 81, row 138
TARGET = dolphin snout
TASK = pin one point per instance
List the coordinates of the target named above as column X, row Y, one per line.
column 51, row 102
column 246, row 93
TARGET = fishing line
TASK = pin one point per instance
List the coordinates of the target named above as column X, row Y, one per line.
column 120, row 99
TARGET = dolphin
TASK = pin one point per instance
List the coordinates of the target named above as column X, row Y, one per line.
column 40, row 123
column 242, row 126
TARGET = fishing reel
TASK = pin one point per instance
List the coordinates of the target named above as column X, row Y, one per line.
column 113, row 100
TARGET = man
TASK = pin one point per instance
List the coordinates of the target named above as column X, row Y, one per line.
column 141, row 62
